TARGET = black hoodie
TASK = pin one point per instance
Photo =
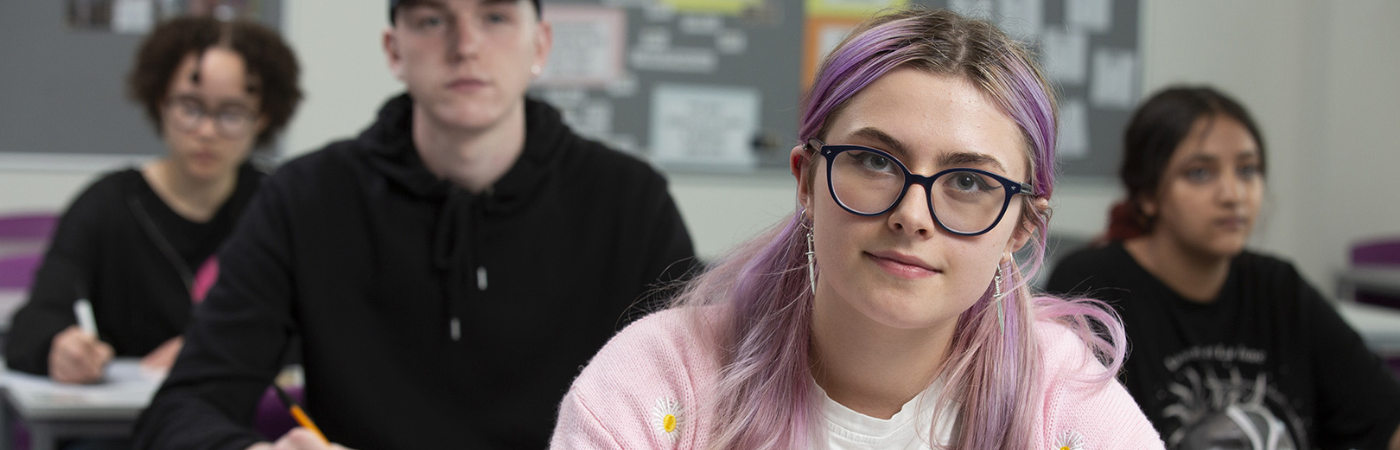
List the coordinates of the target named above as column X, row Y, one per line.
column 430, row 317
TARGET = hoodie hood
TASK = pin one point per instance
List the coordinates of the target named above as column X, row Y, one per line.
column 391, row 151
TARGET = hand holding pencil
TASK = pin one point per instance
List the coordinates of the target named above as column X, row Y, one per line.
column 306, row 437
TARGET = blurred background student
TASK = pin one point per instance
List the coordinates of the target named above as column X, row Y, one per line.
column 140, row 242
column 1230, row 348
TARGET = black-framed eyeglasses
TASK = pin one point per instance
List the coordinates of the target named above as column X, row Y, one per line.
column 869, row 182
column 187, row 113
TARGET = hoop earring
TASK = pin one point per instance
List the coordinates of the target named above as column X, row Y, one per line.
column 811, row 263
column 996, row 297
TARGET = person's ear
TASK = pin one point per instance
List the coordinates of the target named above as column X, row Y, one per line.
column 801, row 165
column 391, row 53
column 544, row 41
column 1148, row 206
column 1027, row 227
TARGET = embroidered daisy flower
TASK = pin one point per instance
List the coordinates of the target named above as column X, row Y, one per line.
column 1069, row 440
column 667, row 417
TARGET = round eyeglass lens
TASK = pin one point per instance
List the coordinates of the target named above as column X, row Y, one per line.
column 866, row 182
column 967, row 201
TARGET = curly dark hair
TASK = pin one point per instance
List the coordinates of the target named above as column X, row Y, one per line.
column 272, row 67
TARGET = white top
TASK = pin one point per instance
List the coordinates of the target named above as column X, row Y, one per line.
column 908, row 429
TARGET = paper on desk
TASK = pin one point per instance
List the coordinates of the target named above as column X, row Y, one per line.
column 127, row 384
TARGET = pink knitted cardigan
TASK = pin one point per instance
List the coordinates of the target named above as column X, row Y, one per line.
column 646, row 389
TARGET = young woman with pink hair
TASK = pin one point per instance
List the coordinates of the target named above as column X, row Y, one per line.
column 889, row 310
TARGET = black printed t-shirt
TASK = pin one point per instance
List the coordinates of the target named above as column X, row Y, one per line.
column 1267, row 365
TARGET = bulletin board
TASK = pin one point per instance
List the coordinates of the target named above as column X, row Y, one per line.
column 714, row 85
column 65, row 64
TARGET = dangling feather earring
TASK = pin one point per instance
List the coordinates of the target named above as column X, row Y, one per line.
column 811, row 263
column 997, row 296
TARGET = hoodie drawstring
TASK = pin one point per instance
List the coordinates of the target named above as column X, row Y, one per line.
column 456, row 240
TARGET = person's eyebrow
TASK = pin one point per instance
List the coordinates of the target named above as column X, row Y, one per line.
column 975, row 159
column 433, row 4
column 885, row 141
column 949, row 160
column 1201, row 157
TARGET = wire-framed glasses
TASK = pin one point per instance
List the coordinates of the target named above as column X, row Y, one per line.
column 870, row 182
column 187, row 113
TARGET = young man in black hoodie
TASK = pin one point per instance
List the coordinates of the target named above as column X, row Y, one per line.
column 448, row 271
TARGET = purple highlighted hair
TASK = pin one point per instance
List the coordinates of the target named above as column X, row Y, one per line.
column 764, row 398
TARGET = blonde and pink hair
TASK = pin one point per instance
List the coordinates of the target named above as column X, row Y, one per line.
column 765, row 397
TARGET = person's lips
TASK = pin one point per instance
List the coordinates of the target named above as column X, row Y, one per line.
column 466, row 83
column 1232, row 222
column 902, row 265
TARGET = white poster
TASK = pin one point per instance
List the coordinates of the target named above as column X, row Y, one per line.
column 701, row 24
column 705, row 126
column 1114, row 79
column 1066, row 56
column 133, row 16
column 588, row 46
column 687, row 60
column 1074, row 130
column 732, row 42
column 1095, row 16
column 828, row 37
column 981, row 9
column 1022, row 19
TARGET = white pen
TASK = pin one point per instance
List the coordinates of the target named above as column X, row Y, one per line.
column 83, row 309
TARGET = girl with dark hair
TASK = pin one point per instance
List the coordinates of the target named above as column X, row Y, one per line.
column 1231, row 349
column 140, row 242
column 888, row 311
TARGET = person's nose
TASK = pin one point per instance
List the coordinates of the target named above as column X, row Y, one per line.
column 466, row 39
column 912, row 215
column 1232, row 188
column 207, row 127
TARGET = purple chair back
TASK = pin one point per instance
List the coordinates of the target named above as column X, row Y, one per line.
column 17, row 272
column 36, row 227
column 1379, row 252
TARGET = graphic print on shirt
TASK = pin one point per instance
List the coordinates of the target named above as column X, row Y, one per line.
column 667, row 418
column 1224, row 397
column 1069, row 440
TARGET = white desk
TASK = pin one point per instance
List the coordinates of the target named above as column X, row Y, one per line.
column 1384, row 280
column 1378, row 326
column 55, row 411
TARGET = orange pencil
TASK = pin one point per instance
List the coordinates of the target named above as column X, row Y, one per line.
column 299, row 414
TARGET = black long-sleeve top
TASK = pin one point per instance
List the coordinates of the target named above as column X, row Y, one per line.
column 120, row 246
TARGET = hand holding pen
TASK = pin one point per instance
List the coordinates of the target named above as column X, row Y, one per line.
column 75, row 354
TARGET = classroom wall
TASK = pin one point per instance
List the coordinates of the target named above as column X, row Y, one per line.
column 1310, row 71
